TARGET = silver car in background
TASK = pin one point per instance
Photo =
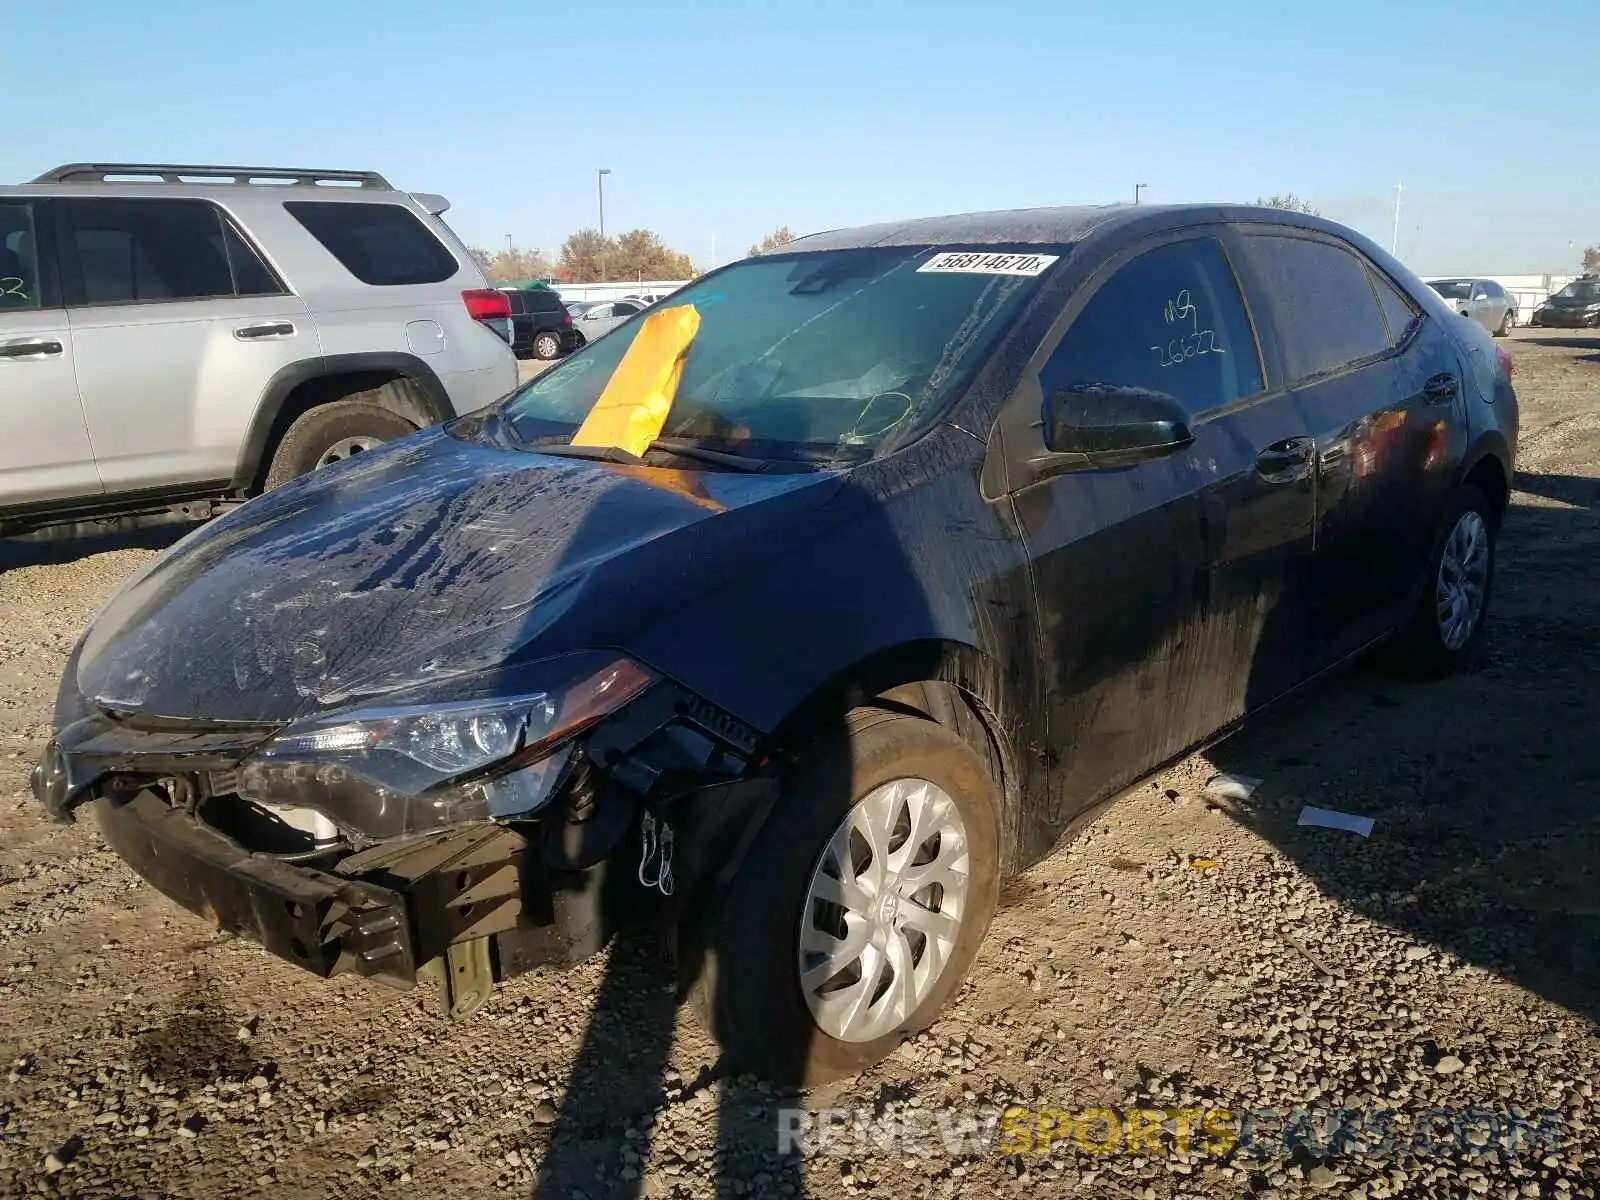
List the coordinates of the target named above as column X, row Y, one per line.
column 602, row 318
column 1481, row 300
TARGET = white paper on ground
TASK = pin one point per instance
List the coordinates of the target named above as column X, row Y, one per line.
column 1232, row 787
column 1327, row 818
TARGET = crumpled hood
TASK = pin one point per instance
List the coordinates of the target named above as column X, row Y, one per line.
column 431, row 567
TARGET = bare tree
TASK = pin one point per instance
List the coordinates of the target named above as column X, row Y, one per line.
column 1591, row 258
column 483, row 258
column 520, row 264
column 637, row 255
column 1290, row 202
column 778, row 238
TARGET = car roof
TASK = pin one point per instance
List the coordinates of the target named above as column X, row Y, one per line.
column 1048, row 226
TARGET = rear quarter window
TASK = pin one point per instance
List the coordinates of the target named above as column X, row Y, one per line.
column 384, row 245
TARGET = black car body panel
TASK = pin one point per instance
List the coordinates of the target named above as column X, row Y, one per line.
column 1099, row 619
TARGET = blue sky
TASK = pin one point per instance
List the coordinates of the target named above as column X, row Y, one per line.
column 722, row 120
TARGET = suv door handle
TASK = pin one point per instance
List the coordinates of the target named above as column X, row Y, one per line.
column 267, row 329
column 1285, row 461
column 1441, row 388
column 30, row 348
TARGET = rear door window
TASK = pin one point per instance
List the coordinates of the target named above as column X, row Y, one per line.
column 134, row 251
column 381, row 244
column 1327, row 312
column 1171, row 320
column 19, row 258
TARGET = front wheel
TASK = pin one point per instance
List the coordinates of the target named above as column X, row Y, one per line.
column 1449, row 618
column 1506, row 322
column 859, row 908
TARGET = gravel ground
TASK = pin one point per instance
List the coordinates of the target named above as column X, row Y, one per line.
column 1183, row 953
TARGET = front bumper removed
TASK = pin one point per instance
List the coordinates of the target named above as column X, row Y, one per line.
column 323, row 922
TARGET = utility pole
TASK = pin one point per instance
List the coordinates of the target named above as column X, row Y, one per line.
column 1394, row 244
column 1137, row 188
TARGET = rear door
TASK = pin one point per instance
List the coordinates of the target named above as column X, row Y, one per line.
column 1166, row 589
column 45, row 453
column 1380, row 382
column 177, row 327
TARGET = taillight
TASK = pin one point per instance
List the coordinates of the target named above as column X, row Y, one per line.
column 484, row 303
column 490, row 306
column 1506, row 362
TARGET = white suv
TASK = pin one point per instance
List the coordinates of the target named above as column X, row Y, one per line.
column 174, row 339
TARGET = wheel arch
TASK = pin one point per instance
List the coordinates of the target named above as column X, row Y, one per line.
column 300, row 387
column 948, row 682
column 1487, row 468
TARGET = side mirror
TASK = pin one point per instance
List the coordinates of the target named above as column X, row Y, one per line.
column 1114, row 426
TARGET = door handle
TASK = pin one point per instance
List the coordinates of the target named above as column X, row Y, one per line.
column 1285, row 461
column 267, row 329
column 1441, row 388
column 26, row 348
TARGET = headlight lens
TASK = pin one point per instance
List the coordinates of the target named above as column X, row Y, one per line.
column 388, row 772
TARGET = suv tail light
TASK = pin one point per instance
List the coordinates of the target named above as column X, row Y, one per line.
column 490, row 306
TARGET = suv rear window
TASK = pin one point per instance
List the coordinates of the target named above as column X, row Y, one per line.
column 539, row 300
column 381, row 244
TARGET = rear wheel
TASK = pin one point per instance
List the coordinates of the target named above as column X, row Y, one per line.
column 546, row 346
column 331, row 433
column 860, row 906
column 1506, row 322
column 1449, row 618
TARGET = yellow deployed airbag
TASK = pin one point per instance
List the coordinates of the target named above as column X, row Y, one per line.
column 633, row 407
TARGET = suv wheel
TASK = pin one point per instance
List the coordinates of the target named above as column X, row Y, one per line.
column 860, row 906
column 546, row 345
column 330, row 433
column 1449, row 617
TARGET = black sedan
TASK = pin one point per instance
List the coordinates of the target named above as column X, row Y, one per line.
column 953, row 529
column 1576, row 306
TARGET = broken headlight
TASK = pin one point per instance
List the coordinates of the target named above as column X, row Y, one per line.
column 388, row 772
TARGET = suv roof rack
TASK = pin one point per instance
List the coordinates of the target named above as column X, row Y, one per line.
column 202, row 173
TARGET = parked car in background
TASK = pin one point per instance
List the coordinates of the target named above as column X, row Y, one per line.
column 954, row 529
column 1576, row 306
column 646, row 298
column 603, row 317
column 1480, row 300
column 541, row 326
column 174, row 339
column 578, row 307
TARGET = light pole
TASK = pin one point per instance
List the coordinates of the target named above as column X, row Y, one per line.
column 600, row 186
column 1137, row 188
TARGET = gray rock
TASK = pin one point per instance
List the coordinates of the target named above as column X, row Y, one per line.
column 1448, row 1065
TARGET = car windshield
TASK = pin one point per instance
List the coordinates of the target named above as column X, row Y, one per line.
column 1580, row 289
column 828, row 354
column 1453, row 289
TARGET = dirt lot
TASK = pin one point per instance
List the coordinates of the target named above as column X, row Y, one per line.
column 1450, row 961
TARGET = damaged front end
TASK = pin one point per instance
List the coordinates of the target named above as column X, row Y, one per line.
column 457, row 844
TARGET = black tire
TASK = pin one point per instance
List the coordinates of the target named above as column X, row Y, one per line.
column 1423, row 644
column 329, row 429
column 547, row 345
column 746, row 991
column 1505, row 325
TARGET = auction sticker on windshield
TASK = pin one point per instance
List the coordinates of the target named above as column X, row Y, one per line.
column 966, row 262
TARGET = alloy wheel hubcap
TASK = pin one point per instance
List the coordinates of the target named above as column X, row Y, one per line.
column 347, row 448
column 884, row 910
column 1463, row 580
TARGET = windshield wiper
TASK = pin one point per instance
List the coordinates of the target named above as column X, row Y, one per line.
column 612, row 454
column 690, row 448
